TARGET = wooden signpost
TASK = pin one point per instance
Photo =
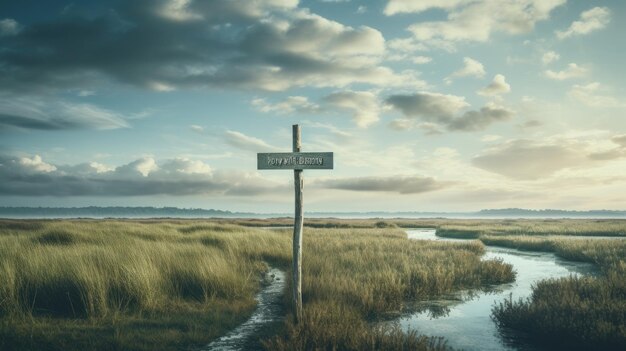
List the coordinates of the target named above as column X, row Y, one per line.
column 298, row 161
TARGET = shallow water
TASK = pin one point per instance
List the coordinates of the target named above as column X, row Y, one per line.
column 465, row 320
column 267, row 314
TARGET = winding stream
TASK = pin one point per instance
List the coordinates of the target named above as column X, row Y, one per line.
column 267, row 314
column 464, row 319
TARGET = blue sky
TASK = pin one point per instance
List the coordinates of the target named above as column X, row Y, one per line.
column 453, row 105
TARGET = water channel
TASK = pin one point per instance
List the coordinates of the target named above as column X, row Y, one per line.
column 464, row 318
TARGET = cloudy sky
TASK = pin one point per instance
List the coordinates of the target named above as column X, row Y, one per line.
column 429, row 105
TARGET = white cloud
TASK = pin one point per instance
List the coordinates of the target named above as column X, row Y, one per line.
column 406, row 45
column 620, row 140
column 85, row 93
column 428, row 106
column 480, row 119
column 363, row 105
column 248, row 143
column 475, row 20
column 100, row 168
column 403, row 6
column 160, row 86
column 560, row 157
column 197, row 128
column 277, row 45
column 397, row 184
column 186, row 166
column 402, row 124
column 429, row 128
column 299, row 104
column 440, row 111
column 36, row 164
column 404, row 50
column 8, row 27
column 550, row 57
column 405, row 124
column 330, row 128
column 490, row 138
column 95, row 116
column 591, row 95
column 187, row 10
column 25, row 176
column 313, row 34
column 496, row 87
column 143, row 166
column 29, row 112
column 591, row 20
column 572, row 71
column 471, row 68
column 361, row 10
column 420, row 60
column 529, row 160
column 532, row 123
column 86, row 169
column 177, row 10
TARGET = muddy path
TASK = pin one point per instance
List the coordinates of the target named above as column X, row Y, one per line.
column 266, row 318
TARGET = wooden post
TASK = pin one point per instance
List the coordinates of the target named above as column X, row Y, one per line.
column 297, row 232
column 298, row 161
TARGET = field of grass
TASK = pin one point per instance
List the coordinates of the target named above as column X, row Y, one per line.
column 356, row 276
column 172, row 284
column 120, row 285
column 473, row 229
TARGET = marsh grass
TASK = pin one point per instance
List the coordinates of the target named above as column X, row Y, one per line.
column 473, row 229
column 572, row 313
column 355, row 277
column 128, row 285
column 329, row 325
column 165, row 285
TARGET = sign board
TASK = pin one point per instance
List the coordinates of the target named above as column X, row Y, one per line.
column 295, row 160
column 298, row 161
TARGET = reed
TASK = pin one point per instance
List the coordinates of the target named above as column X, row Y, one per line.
column 163, row 285
column 128, row 285
column 573, row 313
column 355, row 277
column 466, row 229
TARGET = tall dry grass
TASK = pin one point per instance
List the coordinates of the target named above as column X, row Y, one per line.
column 131, row 280
column 158, row 285
column 573, row 313
column 353, row 277
column 473, row 229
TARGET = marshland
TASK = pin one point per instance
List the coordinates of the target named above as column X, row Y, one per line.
column 182, row 284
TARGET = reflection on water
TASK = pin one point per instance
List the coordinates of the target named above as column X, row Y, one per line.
column 464, row 318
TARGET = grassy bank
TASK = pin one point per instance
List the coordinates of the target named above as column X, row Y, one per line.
column 168, row 285
column 473, row 229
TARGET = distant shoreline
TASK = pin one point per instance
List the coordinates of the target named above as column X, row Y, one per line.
column 94, row 212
